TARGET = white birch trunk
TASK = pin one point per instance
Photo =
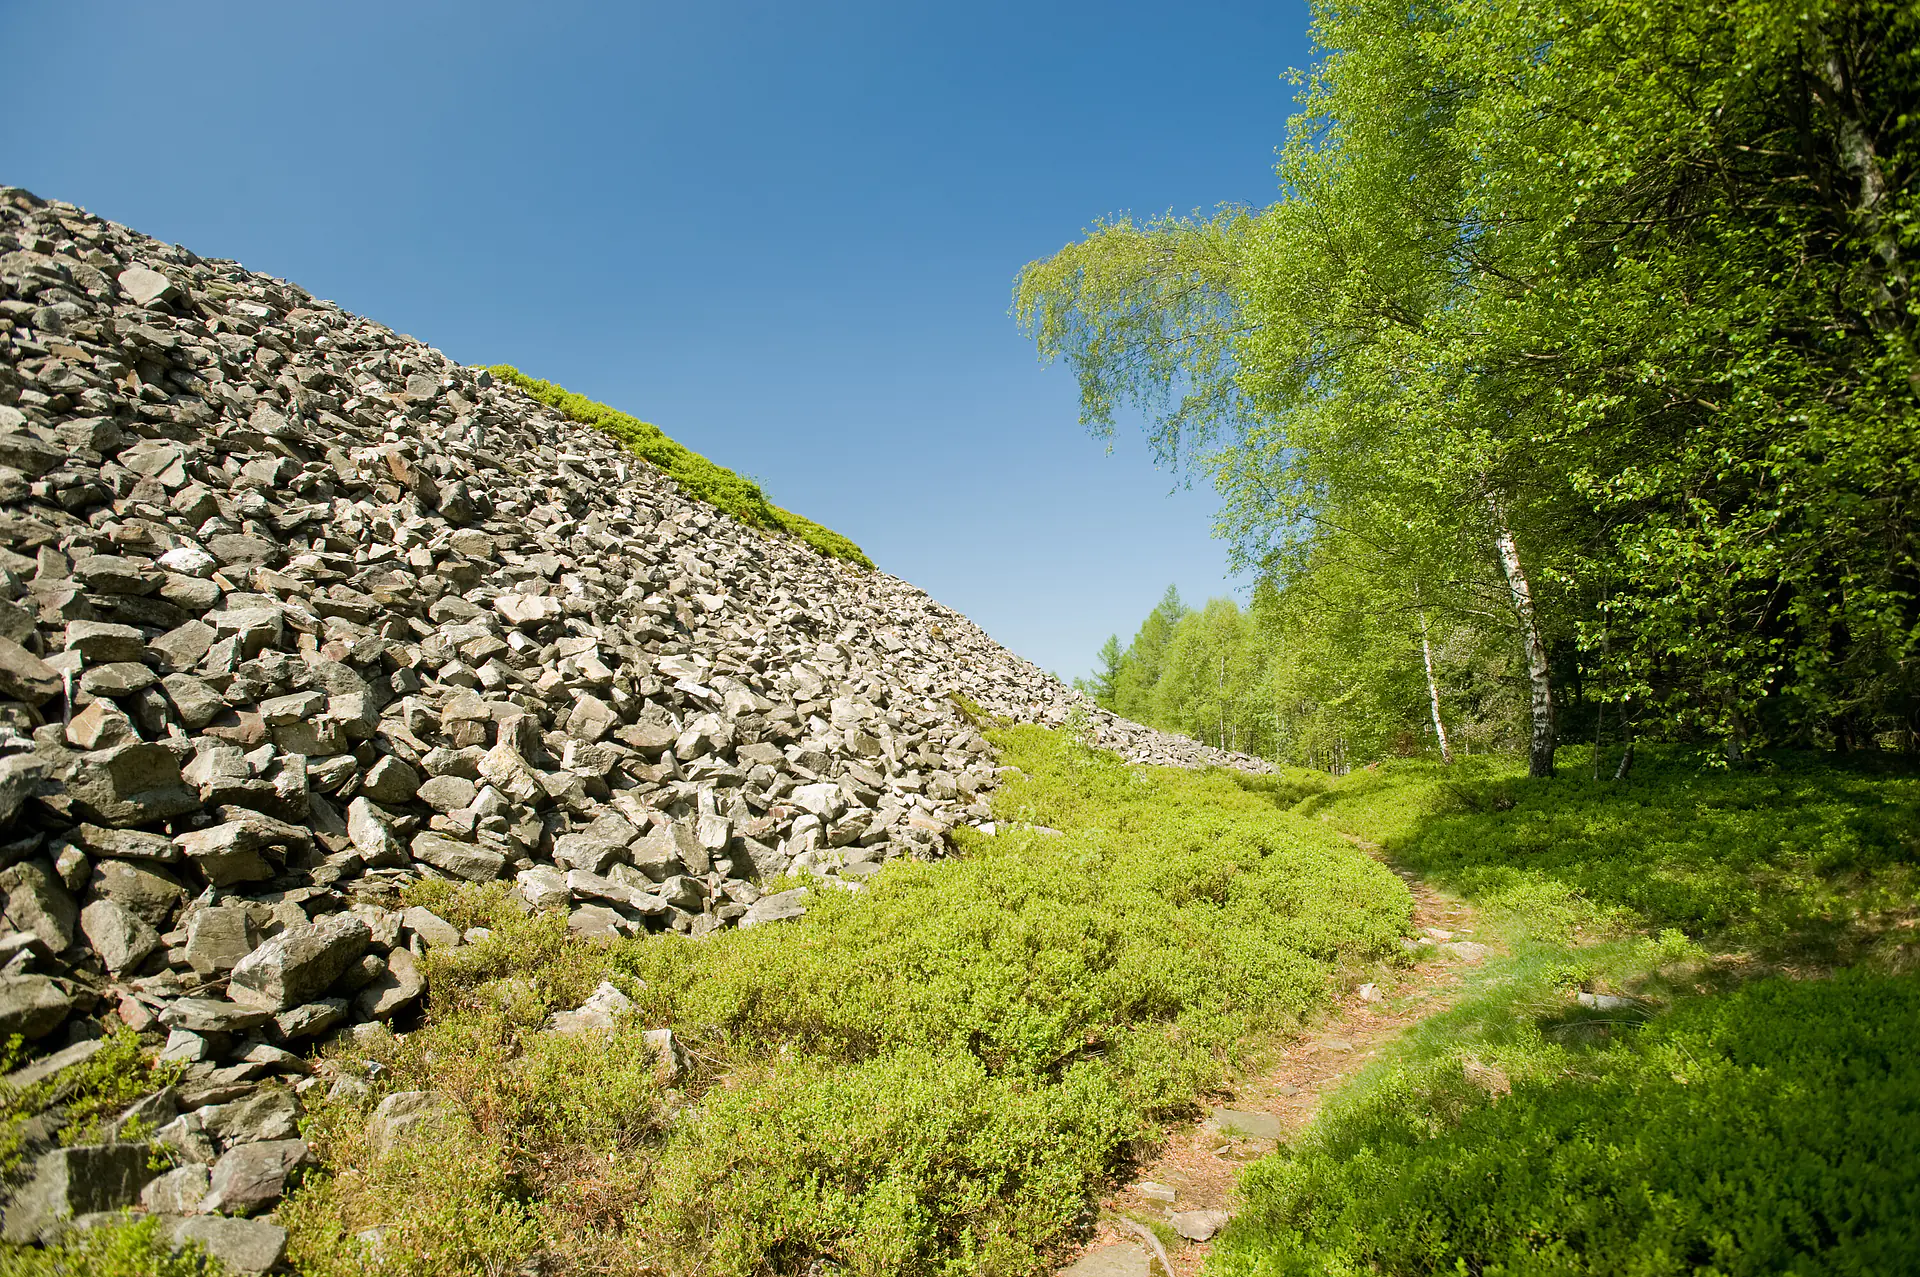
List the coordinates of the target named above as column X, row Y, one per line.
column 1433, row 694
column 1539, row 675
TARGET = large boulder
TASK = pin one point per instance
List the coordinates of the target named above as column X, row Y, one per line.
column 299, row 964
column 32, row 1006
column 75, row 1181
column 133, row 784
column 122, row 939
column 250, row 1177
column 37, row 902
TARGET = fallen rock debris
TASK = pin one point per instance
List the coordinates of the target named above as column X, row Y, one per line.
column 295, row 611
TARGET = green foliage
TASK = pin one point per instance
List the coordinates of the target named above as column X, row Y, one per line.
column 1768, row 1130
column 1722, row 1121
column 114, row 1077
column 135, row 1248
column 1797, row 857
column 1622, row 289
column 1325, row 669
column 930, row 1076
column 698, row 477
column 1147, row 314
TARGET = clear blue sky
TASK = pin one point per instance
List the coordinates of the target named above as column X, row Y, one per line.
column 785, row 233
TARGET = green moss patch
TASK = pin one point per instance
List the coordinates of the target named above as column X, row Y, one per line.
column 699, row 477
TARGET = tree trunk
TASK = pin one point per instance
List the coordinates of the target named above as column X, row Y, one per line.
column 1433, row 694
column 1539, row 675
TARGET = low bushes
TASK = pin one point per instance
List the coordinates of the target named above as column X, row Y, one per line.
column 699, row 477
column 930, row 1077
column 1802, row 855
column 1723, row 1120
column 1770, row 1130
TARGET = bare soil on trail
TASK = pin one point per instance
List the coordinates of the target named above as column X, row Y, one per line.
column 1203, row 1166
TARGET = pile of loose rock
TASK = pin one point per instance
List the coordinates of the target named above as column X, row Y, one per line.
column 294, row 611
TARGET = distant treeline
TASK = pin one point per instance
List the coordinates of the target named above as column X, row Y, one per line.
column 1319, row 675
column 1583, row 340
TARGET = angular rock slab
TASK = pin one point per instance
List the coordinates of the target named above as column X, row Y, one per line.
column 1120, row 1259
column 75, row 1181
column 299, row 964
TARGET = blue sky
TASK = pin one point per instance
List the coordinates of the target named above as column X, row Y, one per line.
column 784, row 233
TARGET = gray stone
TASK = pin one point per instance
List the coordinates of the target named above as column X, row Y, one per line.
column 252, row 1176
column 448, row 793
column 462, row 860
column 243, row 1245
column 75, row 1181
column 22, row 776
column 147, row 1113
column 1117, row 1259
column 391, row 782
column 1198, row 1225
column 395, row 989
column 25, row 677
column 101, row 725
column 50, row 1065
column 670, row 1058
column 311, row 1020
column 591, row 719
column 232, row 851
column 669, row 850
column 193, row 699
column 178, row 1192
column 38, row 903
column 100, row 842
column 185, row 645
column 298, row 964
column 268, row 1114
column 100, row 642
column 1605, row 1001
column 431, row 927
column 116, row 574
column 601, row 1011
column 219, row 937
column 31, row 1006
column 372, row 837
column 778, row 907
column 1253, row 1126
column 144, row 286
column 405, row 1116
column 140, row 887
column 134, row 784
column 595, row 922
column 212, row 1015
column 544, row 887
column 122, row 939
column 30, row 456
column 118, row 680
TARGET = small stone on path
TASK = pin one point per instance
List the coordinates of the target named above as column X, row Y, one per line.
column 1119, row 1259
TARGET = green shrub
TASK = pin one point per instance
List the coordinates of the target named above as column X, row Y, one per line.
column 931, row 1076
column 1770, row 1130
column 114, row 1077
column 131, row 1249
column 699, row 477
column 1804, row 855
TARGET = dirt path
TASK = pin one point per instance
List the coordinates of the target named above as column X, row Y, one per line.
column 1201, row 1164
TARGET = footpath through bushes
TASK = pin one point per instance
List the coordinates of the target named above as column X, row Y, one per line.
column 1738, row 1092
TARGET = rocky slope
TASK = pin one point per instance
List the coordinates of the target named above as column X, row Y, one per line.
column 294, row 610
